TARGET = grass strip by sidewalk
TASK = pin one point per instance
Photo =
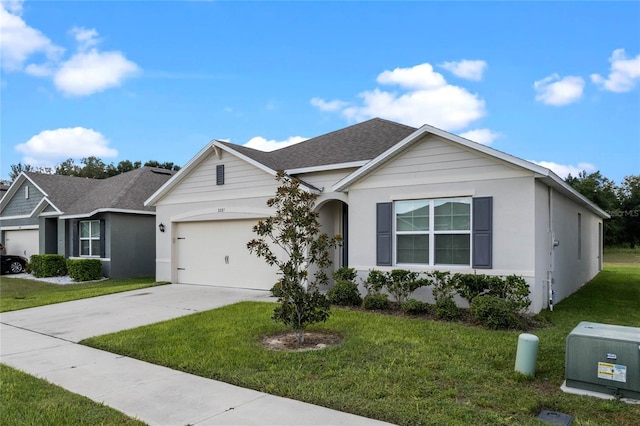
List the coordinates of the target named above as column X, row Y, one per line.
column 19, row 293
column 402, row 370
column 26, row 400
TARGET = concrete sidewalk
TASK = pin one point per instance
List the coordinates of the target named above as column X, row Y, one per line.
column 43, row 342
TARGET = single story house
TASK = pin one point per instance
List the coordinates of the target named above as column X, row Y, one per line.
column 418, row 199
column 85, row 218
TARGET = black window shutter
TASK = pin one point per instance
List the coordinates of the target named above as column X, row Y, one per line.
column 384, row 221
column 75, row 228
column 220, row 174
column 482, row 232
column 103, row 245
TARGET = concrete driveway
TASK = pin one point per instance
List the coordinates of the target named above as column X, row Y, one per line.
column 43, row 342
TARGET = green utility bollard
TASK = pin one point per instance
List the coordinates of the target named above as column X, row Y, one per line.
column 526, row 354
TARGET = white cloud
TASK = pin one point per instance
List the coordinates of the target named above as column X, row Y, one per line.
column 417, row 77
column 260, row 143
column 323, row 105
column 624, row 73
column 13, row 6
column 86, row 37
column 93, row 71
column 563, row 170
column 482, row 136
column 471, row 70
column 88, row 71
column 427, row 99
column 18, row 41
column 557, row 91
column 51, row 146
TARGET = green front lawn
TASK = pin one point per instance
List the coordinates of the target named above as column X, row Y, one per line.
column 401, row 370
column 26, row 400
column 18, row 293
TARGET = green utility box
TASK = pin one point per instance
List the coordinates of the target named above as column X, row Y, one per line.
column 604, row 358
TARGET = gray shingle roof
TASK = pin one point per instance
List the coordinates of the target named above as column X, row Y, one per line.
column 363, row 141
column 126, row 191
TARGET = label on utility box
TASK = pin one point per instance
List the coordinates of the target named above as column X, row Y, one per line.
column 615, row 372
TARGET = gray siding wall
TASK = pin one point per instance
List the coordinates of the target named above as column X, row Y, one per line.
column 19, row 205
column 131, row 245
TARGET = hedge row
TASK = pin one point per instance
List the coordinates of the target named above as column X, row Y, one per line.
column 496, row 302
column 55, row 265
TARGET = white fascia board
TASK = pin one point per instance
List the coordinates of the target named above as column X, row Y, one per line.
column 38, row 209
column 22, row 216
column 554, row 181
column 106, row 210
column 539, row 171
column 245, row 158
column 19, row 227
column 217, row 147
column 327, row 167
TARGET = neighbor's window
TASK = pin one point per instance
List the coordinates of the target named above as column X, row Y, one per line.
column 433, row 232
column 90, row 238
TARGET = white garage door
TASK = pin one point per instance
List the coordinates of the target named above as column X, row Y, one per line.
column 215, row 253
column 23, row 242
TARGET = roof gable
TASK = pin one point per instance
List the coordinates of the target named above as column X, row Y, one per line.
column 352, row 146
column 72, row 195
column 539, row 172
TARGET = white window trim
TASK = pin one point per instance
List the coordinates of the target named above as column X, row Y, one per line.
column 432, row 233
column 90, row 239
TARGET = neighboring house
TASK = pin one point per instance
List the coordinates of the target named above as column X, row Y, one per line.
column 85, row 218
column 3, row 189
column 418, row 199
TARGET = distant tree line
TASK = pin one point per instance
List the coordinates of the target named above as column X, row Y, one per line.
column 622, row 202
column 90, row 167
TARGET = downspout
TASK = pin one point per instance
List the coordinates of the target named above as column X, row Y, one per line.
column 552, row 243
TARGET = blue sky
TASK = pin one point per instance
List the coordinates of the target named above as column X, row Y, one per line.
column 557, row 83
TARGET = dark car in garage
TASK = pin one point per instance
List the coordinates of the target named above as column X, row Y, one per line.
column 13, row 264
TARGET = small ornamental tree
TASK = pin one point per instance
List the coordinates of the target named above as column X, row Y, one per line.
column 294, row 228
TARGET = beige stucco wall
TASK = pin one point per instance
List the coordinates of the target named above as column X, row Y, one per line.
column 576, row 258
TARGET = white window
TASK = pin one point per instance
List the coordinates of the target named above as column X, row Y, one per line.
column 433, row 232
column 26, row 192
column 90, row 238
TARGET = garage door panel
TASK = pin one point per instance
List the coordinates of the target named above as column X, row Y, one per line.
column 215, row 253
column 23, row 242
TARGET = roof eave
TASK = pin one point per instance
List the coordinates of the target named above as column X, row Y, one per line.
column 327, row 167
column 539, row 172
column 214, row 145
column 107, row 210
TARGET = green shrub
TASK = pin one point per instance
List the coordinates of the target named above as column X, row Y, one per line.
column 494, row 312
column 414, row 307
column 376, row 301
column 446, row 309
column 344, row 293
column 401, row 283
column 513, row 289
column 84, row 269
column 442, row 285
column 517, row 293
column 376, row 281
column 47, row 265
column 344, row 274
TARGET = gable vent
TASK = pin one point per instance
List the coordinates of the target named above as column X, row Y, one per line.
column 220, row 174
